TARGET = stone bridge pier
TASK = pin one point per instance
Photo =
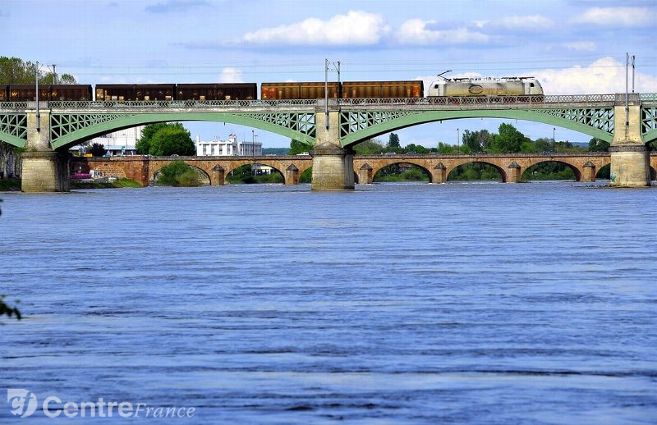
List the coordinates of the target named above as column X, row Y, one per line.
column 333, row 165
column 44, row 169
column 630, row 159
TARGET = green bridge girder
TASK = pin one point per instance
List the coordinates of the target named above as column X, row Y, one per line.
column 70, row 129
column 353, row 131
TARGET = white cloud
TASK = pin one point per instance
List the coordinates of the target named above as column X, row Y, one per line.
column 354, row 28
column 529, row 22
column 418, row 31
column 618, row 16
column 605, row 75
column 588, row 46
column 230, row 75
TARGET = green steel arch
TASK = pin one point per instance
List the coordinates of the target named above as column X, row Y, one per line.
column 106, row 123
column 414, row 118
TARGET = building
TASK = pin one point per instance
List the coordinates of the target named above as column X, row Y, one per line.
column 126, row 139
column 229, row 147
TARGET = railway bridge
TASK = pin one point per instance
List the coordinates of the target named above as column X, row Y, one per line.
column 46, row 130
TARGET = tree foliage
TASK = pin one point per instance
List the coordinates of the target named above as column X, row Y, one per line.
column 97, row 149
column 17, row 71
column 597, row 145
column 393, row 141
column 178, row 173
column 165, row 139
column 297, row 147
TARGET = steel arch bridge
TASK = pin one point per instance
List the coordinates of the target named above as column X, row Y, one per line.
column 71, row 123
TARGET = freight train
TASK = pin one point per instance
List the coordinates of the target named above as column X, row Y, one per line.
column 456, row 87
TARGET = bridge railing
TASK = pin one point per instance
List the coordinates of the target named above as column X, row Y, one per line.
column 448, row 102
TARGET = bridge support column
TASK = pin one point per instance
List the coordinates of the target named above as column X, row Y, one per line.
column 43, row 169
column 439, row 173
column 588, row 172
column 513, row 173
column 333, row 166
column 292, row 175
column 218, row 176
column 630, row 161
column 365, row 174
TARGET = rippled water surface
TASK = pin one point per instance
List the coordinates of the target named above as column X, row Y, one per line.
column 459, row 303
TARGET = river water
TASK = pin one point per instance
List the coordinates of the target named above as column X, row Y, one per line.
column 395, row 304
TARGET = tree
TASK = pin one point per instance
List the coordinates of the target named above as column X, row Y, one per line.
column 509, row 140
column 172, row 140
column 165, row 139
column 369, row 147
column 476, row 141
column 97, row 149
column 297, row 147
column 17, row 71
column 393, row 141
column 418, row 149
column 597, row 145
column 143, row 145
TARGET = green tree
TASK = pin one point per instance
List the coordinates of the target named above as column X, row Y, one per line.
column 172, row 141
column 369, row 147
column 597, row 145
column 393, row 141
column 297, row 147
column 143, row 145
column 97, row 149
column 177, row 173
column 509, row 140
column 446, row 149
column 165, row 139
column 17, row 71
column 476, row 141
column 418, row 149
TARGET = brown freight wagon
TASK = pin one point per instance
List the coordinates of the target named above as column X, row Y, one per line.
column 382, row 89
column 4, row 93
column 27, row 92
column 76, row 92
column 218, row 91
column 296, row 90
column 124, row 92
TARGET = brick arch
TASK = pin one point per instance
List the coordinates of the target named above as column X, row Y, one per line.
column 380, row 165
column 577, row 171
column 161, row 164
column 497, row 164
column 234, row 165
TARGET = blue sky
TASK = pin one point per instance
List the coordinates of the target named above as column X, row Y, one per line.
column 575, row 46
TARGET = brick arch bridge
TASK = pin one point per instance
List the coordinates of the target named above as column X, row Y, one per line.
column 511, row 166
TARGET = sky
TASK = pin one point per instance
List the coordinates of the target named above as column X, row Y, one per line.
column 572, row 46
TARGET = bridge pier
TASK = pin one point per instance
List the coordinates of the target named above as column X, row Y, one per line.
column 365, row 174
column 630, row 160
column 513, row 173
column 439, row 173
column 218, row 176
column 43, row 169
column 333, row 166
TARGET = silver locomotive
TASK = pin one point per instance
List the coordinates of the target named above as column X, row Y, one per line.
column 485, row 86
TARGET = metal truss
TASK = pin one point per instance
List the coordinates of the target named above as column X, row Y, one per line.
column 648, row 119
column 302, row 122
column 598, row 118
column 62, row 124
column 354, row 121
column 14, row 124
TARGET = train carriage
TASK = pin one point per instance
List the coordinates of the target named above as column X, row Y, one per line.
column 4, row 93
column 217, row 91
column 127, row 92
column 383, row 89
column 298, row 90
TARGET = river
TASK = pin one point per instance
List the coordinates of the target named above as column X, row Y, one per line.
column 393, row 304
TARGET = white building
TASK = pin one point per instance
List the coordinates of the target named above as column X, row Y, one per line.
column 230, row 147
column 126, row 139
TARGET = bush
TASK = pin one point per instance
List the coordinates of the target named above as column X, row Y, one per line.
column 178, row 174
